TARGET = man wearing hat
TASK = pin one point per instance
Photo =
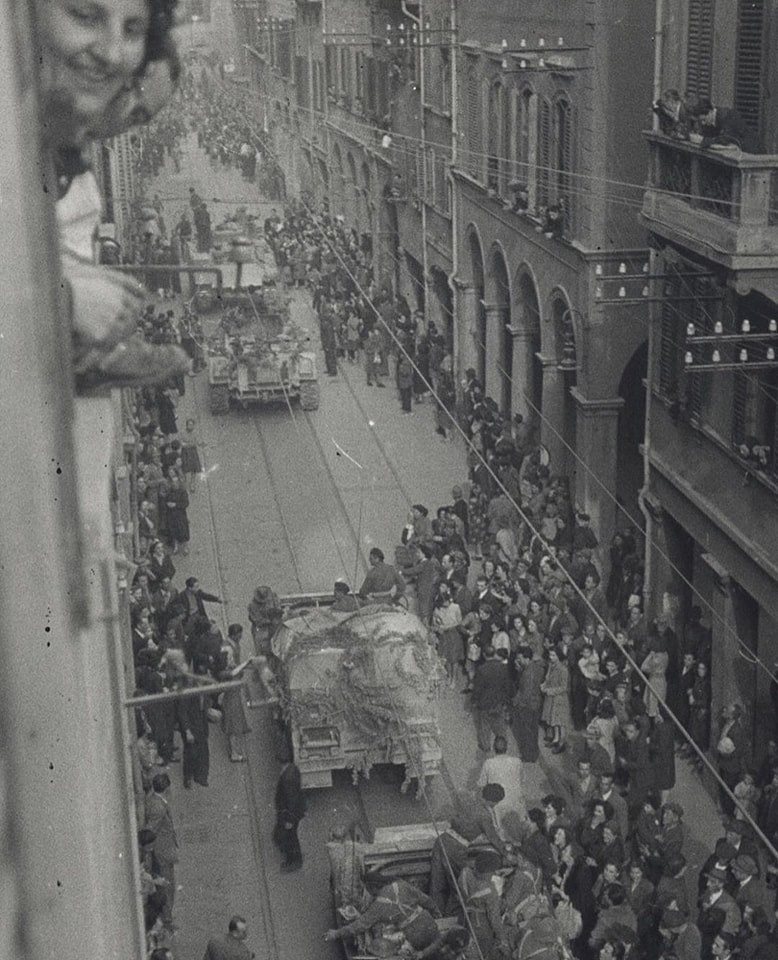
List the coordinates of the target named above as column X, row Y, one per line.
column 723, row 945
column 594, row 752
column 345, row 600
column 681, row 937
column 737, row 833
column 448, row 857
column 718, row 911
column 751, row 890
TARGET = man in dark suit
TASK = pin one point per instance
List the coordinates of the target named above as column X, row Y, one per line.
column 159, row 820
column 193, row 599
column 725, row 126
column 290, row 809
column 491, row 696
column 527, row 703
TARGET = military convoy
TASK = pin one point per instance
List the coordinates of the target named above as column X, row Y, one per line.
column 258, row 355
column 357, row 689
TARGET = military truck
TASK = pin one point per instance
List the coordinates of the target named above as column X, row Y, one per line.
column 357, row 689
column 392, row 853
column 248, row 362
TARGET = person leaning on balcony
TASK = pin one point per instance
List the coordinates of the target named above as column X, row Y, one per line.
column 100, row 75
column 723, row 126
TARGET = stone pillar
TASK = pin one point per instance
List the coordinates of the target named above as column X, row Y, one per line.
column 495, row 317
column 724, row 643
column 596, row 441
column 553, row 410
column 522, row 373
column 467, row 328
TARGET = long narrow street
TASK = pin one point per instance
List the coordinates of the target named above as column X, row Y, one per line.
column 282, row 504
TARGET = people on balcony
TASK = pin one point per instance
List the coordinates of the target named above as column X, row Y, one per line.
column 723, row 126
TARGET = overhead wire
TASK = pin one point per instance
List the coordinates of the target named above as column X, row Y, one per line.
column 744, row 649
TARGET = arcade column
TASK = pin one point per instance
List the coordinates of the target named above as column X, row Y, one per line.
column 551, row 426
column 724, row 632
column 495, row 318
column 523, row 373
column 467, row 328
column 596, row 441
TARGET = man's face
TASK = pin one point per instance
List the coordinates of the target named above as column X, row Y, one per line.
column 240, row 932
column 714, row 884
column 630, row 731
column 610, row 873
column 584, row 769
column 719, row 948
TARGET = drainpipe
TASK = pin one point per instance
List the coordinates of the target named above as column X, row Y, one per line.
column 419, row 21
column 648, row 584
column 454, row 275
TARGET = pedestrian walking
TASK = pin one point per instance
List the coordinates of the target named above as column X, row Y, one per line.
column 405, row 383
column 194, row 728
column 177, row 519
column 159, row 819
column 491, row 696
column 232, row 945
column 527, row 703
column 290, row 809
column 373, row 358
column 190, row 455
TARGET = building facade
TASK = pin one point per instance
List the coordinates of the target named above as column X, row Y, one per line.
column 712, row 426
column 494, row 163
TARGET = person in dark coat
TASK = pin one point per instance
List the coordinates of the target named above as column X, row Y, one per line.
column 527, row 703
column 724, row 126
column 426, row 573
column 662, row 753
column 176, row 505
column 192, row 600
column 193, row 713
column 491, row 696
column 405, row 383
column 290, row 807
column 633, row 759
column 166, row 410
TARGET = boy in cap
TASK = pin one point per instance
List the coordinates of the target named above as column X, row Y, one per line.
column 750, row 890
column 680, row 936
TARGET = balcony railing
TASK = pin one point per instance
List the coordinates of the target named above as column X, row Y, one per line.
column 725, row 199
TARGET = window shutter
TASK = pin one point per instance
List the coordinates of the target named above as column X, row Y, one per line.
column 668, row 350
column 474, row 114
column 739, row 407
column 545, row 134
column 748, row 62
column 493, row 135
column 699, row 47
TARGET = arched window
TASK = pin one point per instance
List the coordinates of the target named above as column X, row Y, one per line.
column 474, row 131
column 494, row 136
column 564, row 158
column 526, row 142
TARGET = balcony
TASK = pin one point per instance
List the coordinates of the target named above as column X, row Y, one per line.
column 720, row 203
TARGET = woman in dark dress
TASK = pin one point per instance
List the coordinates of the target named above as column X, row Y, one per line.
column 177, row 520
column 166, row 410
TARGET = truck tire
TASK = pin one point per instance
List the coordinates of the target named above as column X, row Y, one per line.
column 219, row 398
column 309, row 395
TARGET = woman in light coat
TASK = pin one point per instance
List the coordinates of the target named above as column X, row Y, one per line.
column 556, row 700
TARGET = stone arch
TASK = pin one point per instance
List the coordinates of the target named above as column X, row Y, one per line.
column 527, row 367
column 475, row 316
column 499, row 332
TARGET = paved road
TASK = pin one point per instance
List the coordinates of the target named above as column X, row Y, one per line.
column 280, row 505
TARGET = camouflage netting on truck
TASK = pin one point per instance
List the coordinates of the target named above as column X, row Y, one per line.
column 374, row 671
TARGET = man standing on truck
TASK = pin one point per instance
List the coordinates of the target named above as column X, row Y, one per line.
column 383, row 581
